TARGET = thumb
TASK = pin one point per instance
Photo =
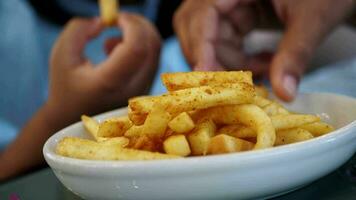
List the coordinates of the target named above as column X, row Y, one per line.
column 70, row 45
column 291, row 59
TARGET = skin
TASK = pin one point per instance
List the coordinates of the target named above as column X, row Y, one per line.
column 211, row 34
column 78, row 87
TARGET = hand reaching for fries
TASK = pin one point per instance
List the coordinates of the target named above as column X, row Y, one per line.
column 203, row 113
column 77, row 86
column 211, row 34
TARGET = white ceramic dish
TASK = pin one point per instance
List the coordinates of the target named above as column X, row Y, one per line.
column 247, row 175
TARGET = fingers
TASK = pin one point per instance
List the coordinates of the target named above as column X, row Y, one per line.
column 137, row 50
column 69, row 48
column 196, row 25
column 292, row 57
column 111, row 43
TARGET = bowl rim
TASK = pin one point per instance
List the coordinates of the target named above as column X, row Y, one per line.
column 260, row 155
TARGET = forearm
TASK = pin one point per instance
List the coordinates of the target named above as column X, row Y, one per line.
column 26, row 151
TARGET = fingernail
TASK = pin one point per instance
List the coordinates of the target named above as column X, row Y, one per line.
column 290, row 85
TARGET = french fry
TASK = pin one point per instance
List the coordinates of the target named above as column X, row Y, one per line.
column 261, row 91
column 184, row 80
column 237, row 130
column 289, row 121
column 275, row 109
column 90, row 150
column 176, row 145
column 200, row 137
column 122, row 141
column 222, row 143
column 114, row 127
column 143, row 143
column 92, row 126
column 156, row 122
column 247, row 114
column 196, row 98
column 109, row 11
column 134, row 131
column 289, row 136
column 261, row 101
column 318, row 128
column 182, row 123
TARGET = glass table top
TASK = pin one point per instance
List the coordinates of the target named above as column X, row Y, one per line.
column 340, row 184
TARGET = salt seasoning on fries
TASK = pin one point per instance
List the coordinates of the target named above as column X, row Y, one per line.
column 203, row 113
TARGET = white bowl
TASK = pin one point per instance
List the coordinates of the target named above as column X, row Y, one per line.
column 246, row 175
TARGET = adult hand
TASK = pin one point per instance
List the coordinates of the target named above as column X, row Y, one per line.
column 211, row 34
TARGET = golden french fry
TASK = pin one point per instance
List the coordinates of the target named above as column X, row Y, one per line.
column 237, row 130
column 176, row 145
column 196, row 98
column 156, row 122
column 109, row 11
column 90, row 150
column 227, row 144
column 184, row 80
column 275, row 109
column 143, row 142
column 294, row 135
column 247, row 114
column 92, row 126
column 200, row 137
column 182, row 123
column 318, row 128
column 261, row 101
column 114, row 127
column 134, row 131
column 122, row 141
column 261, row 91
column 289, row 121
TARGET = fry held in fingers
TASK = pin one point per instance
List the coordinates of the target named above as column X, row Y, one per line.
column 203, row 113
column 109, row 11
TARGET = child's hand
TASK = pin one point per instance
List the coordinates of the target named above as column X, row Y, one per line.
column 78, row 87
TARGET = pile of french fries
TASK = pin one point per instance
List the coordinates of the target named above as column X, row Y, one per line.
column 203, row 113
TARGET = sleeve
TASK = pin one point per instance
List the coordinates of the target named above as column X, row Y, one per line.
column 7, row 134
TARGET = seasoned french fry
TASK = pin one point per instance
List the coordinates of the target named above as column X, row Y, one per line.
column 134, row 131
column 261, row 91
column 200, row 137
column 261, row 101
column 184, row 80
column 289, row 136
column 90, row 150
column 156, row 122
column 237, row 130
column 92, row 126
column 196, row 98
column 247, row 114
column 176, row 145
column 109, row 11
column 143, row 142
column 182, row 123
column 289, row 121
column 122, row 141
column 318, row 128
column 275, row 109
column 114, row 127
column 227, row 144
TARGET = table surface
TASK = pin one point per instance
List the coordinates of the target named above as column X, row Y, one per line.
column 340, row 184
